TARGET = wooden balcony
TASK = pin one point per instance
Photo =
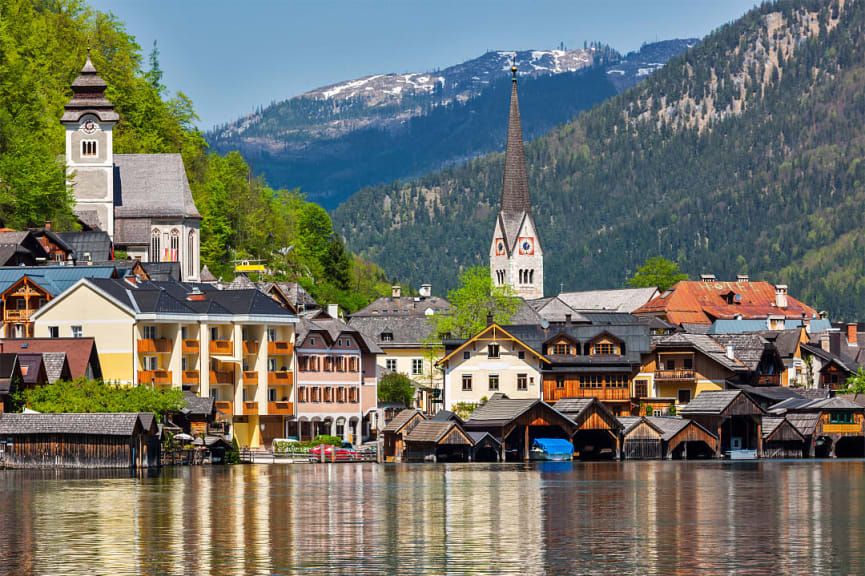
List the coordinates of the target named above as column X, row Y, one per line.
column 17, row 316
column 674, row 375
column 154, row 377
column 280, row 408
column 280, row 378
column 250, row 347
column 222, row 347
column 250, row 378
column 157, row 346
column 767, row 380
column 190, row 377
column 250, row 407
column 280, row 347
column 224, row 406
column 190, row 347
column 221, row 377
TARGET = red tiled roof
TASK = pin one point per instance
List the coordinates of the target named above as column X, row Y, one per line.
column 703, row 302
column 78, row 350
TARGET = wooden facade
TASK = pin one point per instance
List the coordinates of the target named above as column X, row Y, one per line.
column 781, row 439
column 397, row 429
column 20, row 302
column 438, row 441
column 598, row 431
column 643, row 442
column 733, row 415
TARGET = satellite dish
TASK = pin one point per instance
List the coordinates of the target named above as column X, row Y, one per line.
column 545, row 323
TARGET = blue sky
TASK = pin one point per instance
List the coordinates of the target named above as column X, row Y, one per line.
column 232, row 56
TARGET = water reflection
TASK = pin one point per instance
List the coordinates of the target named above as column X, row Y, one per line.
column 555, row 518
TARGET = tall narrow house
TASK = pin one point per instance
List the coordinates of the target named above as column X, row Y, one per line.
column 516, row 256
column 143, row 201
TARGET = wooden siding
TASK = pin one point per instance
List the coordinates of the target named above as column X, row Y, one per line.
column 692, row 433
column 573, row 389
column 743, row 405
column 643, row 431
column 79, row 451
column 456, row 438
column 826, row 427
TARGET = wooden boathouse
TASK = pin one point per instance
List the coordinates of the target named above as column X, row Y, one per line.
column 733, row 414
column 781, row 439
column 106, row 440
column 395, row 432
column 833, row 427
column 649, row 437
column 438, row 441
column 598, row 431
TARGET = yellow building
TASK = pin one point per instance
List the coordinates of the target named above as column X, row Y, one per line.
column 236, row 346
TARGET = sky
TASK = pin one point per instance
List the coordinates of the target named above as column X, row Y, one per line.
column 232, row 56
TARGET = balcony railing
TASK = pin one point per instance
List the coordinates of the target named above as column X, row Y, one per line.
column 279, row 347
column 280, row 408
column 280, row 378
column 17, row 315
column 154, row 377
column 250, row 347
column 190, row 346
column 250, row 407
column 224, row 406
column 677, row 375
column 222, row 347
column 154, row 346
column 768, row 380
column 221, row 377
column 190, row 377
column 250, row 378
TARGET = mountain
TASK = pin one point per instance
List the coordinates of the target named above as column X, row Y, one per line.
column 743, row 155
column 334, row 140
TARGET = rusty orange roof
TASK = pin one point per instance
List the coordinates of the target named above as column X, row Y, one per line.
column 704, row 302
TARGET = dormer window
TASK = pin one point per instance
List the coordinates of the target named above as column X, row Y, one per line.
column 560, row 349
column 387, row 336
column 604, row 349
column 89, row 148
column 493, row 351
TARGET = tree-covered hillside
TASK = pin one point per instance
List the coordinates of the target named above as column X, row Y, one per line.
column 743, row 155
column 43, row 45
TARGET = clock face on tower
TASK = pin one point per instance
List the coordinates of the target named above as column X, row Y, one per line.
column 500, row 247
column 527, row 246
column 89, row 127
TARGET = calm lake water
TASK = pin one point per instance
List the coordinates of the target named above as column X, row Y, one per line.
column 768, row 517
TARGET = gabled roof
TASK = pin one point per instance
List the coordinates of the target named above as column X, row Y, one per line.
column 703, row 302
column 715, row 402
column 400, row 420
column 494, row 328
column 403, row 306
column 21, row 244
column 670, row 427
column 152, row 186
column 772, row 424
column 79, row 352
column 198, row 405
column 333, row 328
column 804, row 422
column 53, row 279
column 846, row 364
column 9, row 371
column 56, row 366
column 618, row 300
column 703, row 343
column 408, row 331
column 500, row 410
column 95, row 243
column 32, row 367
column 446, row 416
column 100, row 424
column 554, row 310
column 162, row 271
column 433, row 431
column 748, row 348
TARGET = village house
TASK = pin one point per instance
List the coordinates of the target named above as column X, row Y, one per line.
column 78, row 355
column 142, row 201
column 336, row 379
column 236, row 346
column 831, row 427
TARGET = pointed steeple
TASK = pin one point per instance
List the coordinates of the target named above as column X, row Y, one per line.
column 515, row 183
column 88, row 97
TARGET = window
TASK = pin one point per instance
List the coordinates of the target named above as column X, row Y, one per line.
column 560, row 349
column 271, row 364
column 54, row 332
column 154, row 245
column 174, row 256
column 245, row 395
column 184, row 333
column 271, row 394
column 416, row 366
column 522, row 382
column 494, row 382
column 688, row 364
column 150, row 362
column 603, row 349
column 467, row 355
column 214, row 393
column 467, row 382
column 312, row 341
column 521, row 354
column 560, row 382
column 149, row 332
column 301, row 394
column 214, row 333
column 77, row 332
column 684, row 396
column 390, row 364
column 190, row 254
column 184, row 363
column 493, row 351
column 88, row 148
column 328, row 394
column 671, row 364
column 271, row 335
column 387, row 336
column 841, row 418
column 641, row 388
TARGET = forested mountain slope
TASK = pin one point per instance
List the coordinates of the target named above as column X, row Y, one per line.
column 334, row 140
column 742, row 155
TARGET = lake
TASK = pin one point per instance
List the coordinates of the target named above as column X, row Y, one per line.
column 769, row 517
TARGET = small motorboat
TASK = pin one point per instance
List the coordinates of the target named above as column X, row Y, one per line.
column 551, row 449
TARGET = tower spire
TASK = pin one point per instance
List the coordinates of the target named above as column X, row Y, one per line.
column 515, row 183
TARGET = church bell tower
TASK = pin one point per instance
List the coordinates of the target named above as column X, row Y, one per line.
column 89, row 119
column 516, row 256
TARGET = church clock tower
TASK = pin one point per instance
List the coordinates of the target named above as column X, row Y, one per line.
column 516, row 256
column 89, row 119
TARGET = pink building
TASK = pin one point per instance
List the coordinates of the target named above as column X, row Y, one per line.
column 336, row 379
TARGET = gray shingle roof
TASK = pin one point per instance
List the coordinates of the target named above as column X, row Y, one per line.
column 500, row 408
column 334, row 328
column 805, row 423
column 629, row 422
column 152, row 185
column 748, row 347
column 132, row 231
column 621, row 300
column 704, row 344
column 54, row 362
column 430, row 431
column 106, row 424
column 478, row 436
column 671, row 426
column 405, row 330
column 554, row 310
column 446, row 416
column 198, row 405
column 401, row 420
column 711, row 402
column 403, row 306
column 95, row 243
column 770, row 424
column 573, row 407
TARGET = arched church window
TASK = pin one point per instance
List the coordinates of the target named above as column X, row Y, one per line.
column 175, row 245
column 190, row 254
column 154, row 245
column 531, row 276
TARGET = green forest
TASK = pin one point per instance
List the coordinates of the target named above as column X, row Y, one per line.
column 43, row 46
column 743, row 155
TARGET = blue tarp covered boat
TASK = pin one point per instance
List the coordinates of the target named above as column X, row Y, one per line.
column 551, row 449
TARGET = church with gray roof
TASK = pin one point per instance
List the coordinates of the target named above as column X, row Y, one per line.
column 143, row 201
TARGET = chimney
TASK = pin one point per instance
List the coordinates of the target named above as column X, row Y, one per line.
column 567, row 319
column 742, row 278
column 48, row 224
column 395, row 291
column 489, row 318
column 196, row 295
column 731, row 352
column 333, row 310
column 781, row 296
column 425, row 290
column 852, row 335
column 707, row 277
column 824, row 342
